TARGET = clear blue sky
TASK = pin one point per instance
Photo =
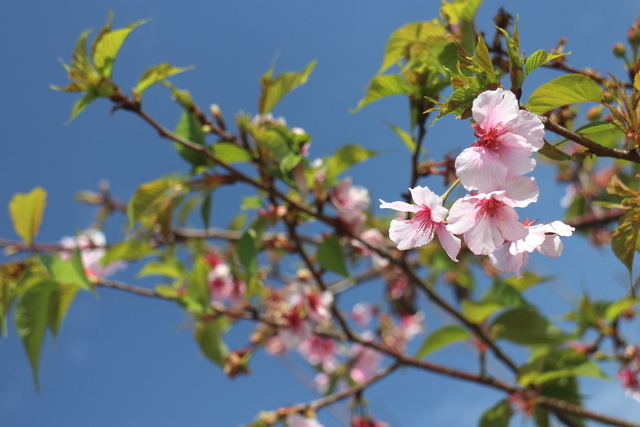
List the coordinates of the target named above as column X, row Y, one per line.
column 129, row 361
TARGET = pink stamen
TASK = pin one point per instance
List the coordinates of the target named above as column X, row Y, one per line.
column 424, row 219
column 488, row 137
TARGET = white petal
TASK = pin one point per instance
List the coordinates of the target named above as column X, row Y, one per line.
column 520, row 191
column 494, row 107
column 407, row 235
column 449, row 242
column 399, row 206
column 480, row 169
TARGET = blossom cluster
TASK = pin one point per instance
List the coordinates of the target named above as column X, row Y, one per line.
column 93, row 247
column 492, row 170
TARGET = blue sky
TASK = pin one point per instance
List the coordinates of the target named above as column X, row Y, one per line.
column 125, row 360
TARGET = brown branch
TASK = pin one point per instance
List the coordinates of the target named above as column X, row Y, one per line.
column 562, row 405
column 593, row 147
column 596, row 219
column 335, row 397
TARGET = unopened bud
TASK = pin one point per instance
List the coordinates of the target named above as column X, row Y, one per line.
column 633, row 36
column 594, row 113
column 608, row 97
column 619, row 51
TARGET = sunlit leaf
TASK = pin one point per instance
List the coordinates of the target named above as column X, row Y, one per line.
column 81, row 104
column 403, row 38
column 619, row 307
column 404, row 136
column 106, row 48
column 275, row 88
column 169, row 267
column 331, row 256
column 345, row 157
column 441, row 338
column 595, row 127
column 478, row 312
column 564, row 90
column 128, row 250
column 380, row 87
column 230, row 153
column 60, row 302
column 619, row 188
column 625, row 237
column 158, row 73
column 540, row 57
column 483, row 60
column 248, row 251
column 69, row 271
column 198, row 291
column 26, row 213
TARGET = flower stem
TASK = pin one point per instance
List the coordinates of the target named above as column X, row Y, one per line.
column 449, row 190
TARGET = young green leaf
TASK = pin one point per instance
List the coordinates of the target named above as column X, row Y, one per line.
column 441, row 338
column 189, row 127
column 248, row 252
column 526, row 326
column 345, row 157
column 625, row 237
column 128, row 250
column 81, row 104
column 403, row 38
column 564, row 90
column 230, row 153
column 69, row 271
column 61, row 300
column 31, row 317
column 208, row 334
column 380, row 87
column 331, row 256
column 198, row 291
column 483, row 60
column 156, row 74
column 478, row 312
column 106, row 48
column 275, row 88
column 497, row 416
column 404, row 136
column 540, row 57
column 26, row 213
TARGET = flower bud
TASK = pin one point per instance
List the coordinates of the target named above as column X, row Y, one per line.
column 594, row 113
column 633, row 36
column 619, row 51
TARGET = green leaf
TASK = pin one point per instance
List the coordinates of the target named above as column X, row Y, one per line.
column 478, row 312
column 168, row 267
column 230, row 153
column 455, row 11
column 156, row 74
column 208, row 334
column 441, row 338
column 404, row 136
column 616, row 309
column 619, row 188
column 636, row 82
column 129, row 250
column 274, row 89
column 526, row 326
column 595, row 127
column 345, row 157
column 248, row 252
column 154, row 199
column 60, row 302
column 564, row 90
column 497, row 416
column 551, row 152
column 81, row 104
column 410, row 35
column 69, row 271
column 189, row 127
column 625, row 237
column 331, row 256
column 205, row 209
column 31, row 317
column 381, row 87
column 168, row 291
column 505, row 295
column 540, row 57
column 107, row 46
column 26, row 213
column 527, row 280
column 556, row 364
column 198, row 294
column 483, row 60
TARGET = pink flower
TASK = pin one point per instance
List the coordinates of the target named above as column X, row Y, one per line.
column 362, row 313
column 351, row 201
column 511, row 257
column 507, row 138
column 366, row 421
column 486, row 221
column 428, row 220
column 630, row 382
column 365, row 363
column 92, row 245
column 297, row 330
column 319, row 351
column 297, row 420
column 411, row 325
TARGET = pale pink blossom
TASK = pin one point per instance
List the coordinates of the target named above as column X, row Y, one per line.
column 92, row 245
column 222, row 284
column 630, row 382
column 366, row 421
column 507, row 138
column 428, row 220
column 366, row 362
column 318, row 303
column 298, row 328
column 275, row 345
column 486, row 221
column 511, row 257
column 319, row 351
column 297, row 420
column 362, row 313
column 350, row 202
column 411, row 325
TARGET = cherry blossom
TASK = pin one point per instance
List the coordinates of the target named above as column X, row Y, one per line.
column 319, row 351
column 486, row 221
column 221, row 282
column 511, row 257
column 630, row 382
column 374, row 237
column 507, row 138
column 366, row 421
column 365, row 363
column 362, row 313
column 92, row 245
column 297, row 420
column 428, row 220
column 351, row 201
